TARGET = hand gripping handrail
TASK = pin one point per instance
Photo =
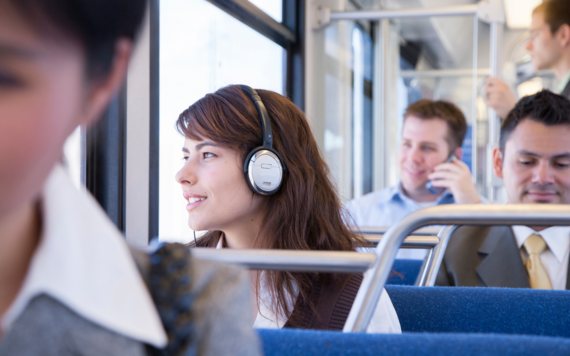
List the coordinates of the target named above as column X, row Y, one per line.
column 480, row 214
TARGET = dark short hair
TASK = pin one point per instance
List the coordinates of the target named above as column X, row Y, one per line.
column 96, row 24
column 556, row 13
column 544, row 107
column 446, row 111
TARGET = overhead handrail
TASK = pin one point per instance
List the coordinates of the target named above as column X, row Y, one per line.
column 468, row 214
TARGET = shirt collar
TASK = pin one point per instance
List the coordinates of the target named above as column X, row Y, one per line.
column 85, row 263
column 556, row 237
column 398, row 192
column 562, row 83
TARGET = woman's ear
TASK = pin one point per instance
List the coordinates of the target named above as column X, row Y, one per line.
column 102, row 90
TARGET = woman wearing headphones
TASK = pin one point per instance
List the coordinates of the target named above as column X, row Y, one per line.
column 254, row 178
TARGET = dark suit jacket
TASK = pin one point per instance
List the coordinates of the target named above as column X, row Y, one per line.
column 484, row 256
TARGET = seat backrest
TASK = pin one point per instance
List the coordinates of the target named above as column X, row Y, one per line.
column 407, row 272
column 482, row 310
column 333, row 343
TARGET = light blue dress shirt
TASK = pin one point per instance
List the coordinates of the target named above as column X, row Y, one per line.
column 387, row 207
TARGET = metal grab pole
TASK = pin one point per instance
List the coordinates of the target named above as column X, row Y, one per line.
column 373, row 283
column 429, row 274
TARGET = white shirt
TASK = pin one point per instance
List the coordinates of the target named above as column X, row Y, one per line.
column 384, row 320
column 83, row 261
column 555, row 257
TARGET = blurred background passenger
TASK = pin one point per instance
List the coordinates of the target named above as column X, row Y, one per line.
column 534, row 161
column 432, row 132
column 221, row 130
column 68, row 282
column 549, row 48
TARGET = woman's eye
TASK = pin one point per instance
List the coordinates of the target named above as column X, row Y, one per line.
column 209, row 155
column 185, row 158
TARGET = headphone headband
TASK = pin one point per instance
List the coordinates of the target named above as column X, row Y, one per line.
column 265, row 122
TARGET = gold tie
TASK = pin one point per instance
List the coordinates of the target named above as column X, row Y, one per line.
column 537, row 275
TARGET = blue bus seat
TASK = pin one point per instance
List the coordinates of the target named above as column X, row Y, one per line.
column 408, row 271
column 333, row 343
column 482, row 310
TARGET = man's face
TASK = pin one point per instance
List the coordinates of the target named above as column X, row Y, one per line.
column 423, row 147
column 543, row 47
column 536, row 164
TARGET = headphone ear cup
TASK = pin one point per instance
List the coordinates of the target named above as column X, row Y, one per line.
column 263, row 171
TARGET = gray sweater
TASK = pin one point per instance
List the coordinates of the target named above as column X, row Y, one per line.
column 222, row 319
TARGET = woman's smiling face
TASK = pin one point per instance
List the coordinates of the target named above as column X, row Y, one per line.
column 213, row 183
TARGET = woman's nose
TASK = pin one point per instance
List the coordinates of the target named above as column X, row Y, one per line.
column 186, row 174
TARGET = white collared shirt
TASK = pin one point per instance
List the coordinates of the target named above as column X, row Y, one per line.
column 555, row 257
column 83, row 261
column 385, row 320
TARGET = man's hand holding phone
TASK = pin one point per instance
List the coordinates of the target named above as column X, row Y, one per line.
column 455, row 176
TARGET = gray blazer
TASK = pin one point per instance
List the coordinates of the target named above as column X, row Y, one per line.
column 484, row 256
column 222, row 320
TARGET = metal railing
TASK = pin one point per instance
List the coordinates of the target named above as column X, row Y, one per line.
column 425, row 238
column 290, row 260
column 315, row 261
column 480, row 214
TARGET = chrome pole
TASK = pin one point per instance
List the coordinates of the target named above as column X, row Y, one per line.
column 290, row 260
column 474, row 129
column 434, row 262
column 381, row 230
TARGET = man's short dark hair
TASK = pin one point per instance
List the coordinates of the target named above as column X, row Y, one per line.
column 556, row 13
column 96, row 24
column 544, row 107
column 446, row 111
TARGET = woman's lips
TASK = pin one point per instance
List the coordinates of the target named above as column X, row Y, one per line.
column 194, row 202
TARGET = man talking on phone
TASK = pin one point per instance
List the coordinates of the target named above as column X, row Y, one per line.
column 429, row 152
column 549, row 48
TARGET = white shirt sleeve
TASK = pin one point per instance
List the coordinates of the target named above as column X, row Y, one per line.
column 385, row 320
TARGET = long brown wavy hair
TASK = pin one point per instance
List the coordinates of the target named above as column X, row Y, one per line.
column 306, row 213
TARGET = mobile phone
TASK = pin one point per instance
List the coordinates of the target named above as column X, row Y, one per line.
column 436, row 190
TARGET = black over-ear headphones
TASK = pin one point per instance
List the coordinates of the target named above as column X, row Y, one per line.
column 263, row 167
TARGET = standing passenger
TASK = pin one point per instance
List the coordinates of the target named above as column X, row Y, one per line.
column 432, row 132
column 68, row 282
column 549, row 48
column 286, row 202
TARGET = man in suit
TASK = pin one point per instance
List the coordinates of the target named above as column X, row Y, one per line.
column 549, row 48
column 533, row 158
